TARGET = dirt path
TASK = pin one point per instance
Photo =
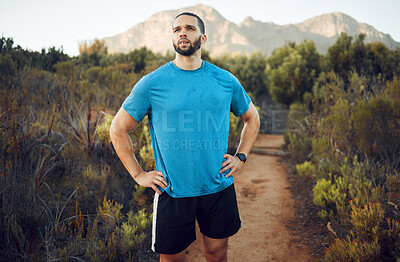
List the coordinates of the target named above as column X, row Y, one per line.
column 265, row 206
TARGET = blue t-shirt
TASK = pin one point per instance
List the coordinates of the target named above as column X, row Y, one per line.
column 189, row 113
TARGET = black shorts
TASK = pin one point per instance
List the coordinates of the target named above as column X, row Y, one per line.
column 174, row 219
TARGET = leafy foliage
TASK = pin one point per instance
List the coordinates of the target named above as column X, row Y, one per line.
column 342, row 131
column 354, row 160
column 370, row 239
column 66, row 196
column 293, row 70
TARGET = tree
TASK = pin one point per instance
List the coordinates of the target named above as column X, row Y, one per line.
column 358, row 55
column 338, row 56
column 292, row 71
column 98, row 46
column 8, row 70
column 22, row 58
column 140, row 58
column 251, row 73
column 250, row 70
column 6, row 45
column 92, row 55
column 396, row 62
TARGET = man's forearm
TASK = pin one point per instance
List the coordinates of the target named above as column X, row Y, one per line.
column 124, row 149
column 123, row 146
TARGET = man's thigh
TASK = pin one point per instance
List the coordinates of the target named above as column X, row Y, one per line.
column 212, row 245
column 218, row 214
column 174, row 220
column 173, row 224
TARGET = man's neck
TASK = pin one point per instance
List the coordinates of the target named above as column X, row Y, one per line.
column 192, row 62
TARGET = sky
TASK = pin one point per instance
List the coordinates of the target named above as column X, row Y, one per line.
column 37, row 24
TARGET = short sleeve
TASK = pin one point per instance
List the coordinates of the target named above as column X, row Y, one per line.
column 137, row 104
column 240, row 99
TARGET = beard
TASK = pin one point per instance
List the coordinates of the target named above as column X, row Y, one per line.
column 192, row 48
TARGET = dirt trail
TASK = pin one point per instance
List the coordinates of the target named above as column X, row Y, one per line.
column 265, row 206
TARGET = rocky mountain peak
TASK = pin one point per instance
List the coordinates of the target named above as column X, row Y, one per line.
column 329, row 25
column 249, row 36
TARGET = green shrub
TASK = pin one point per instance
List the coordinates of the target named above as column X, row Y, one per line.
column 139, row 198
column 370, row 238
column 132, row 232
column 296, row 137
column 367, row 220
column 322, row 154
column 351, row 250
column 377, row 129
column 392, row 91
column 349, row 182
column 340, row 127
column 103, row 129
column 110, row 214
column 80, row 122
column 331, row 195
column 306, row 169
column 392, row 184
column 297, row 116
column 298, row 145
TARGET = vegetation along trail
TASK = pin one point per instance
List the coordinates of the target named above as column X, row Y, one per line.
column 266, row 206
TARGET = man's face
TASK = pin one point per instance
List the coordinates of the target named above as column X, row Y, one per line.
column 186, row 37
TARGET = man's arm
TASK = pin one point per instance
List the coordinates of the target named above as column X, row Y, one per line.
column 248, row 137
column 120, row 126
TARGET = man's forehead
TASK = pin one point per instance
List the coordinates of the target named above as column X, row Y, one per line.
column 185, row 20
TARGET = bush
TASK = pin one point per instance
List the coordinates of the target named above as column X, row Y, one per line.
column 111, row 236
column 103, row 129
column 297, row 140
column 323, row 157
column 370, row 239
column 349, row 144
column 132, row 232
column 306, row 169
column 298, row 145
column 331, row 196
column 340, row 128
column 377, row 129
column 351, row 250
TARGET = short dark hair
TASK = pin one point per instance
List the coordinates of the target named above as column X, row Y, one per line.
column 199, row 21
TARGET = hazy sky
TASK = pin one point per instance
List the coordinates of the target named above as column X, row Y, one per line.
column 37, row 24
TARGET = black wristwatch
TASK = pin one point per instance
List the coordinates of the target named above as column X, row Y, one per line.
column 242, row 157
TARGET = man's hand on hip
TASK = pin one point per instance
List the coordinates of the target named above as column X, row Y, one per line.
column 151, row 179
column 232, row 163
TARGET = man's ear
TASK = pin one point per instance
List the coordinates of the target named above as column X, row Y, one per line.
column 203, row 39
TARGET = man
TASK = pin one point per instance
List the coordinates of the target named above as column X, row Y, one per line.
column 188, row 102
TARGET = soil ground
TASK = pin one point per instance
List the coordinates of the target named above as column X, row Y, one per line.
column 279, row 221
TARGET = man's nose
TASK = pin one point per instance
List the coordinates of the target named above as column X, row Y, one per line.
column 183, row 33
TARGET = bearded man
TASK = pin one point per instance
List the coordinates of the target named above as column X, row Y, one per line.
column 188, row 102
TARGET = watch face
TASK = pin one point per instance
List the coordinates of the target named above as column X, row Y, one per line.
column 241, row 157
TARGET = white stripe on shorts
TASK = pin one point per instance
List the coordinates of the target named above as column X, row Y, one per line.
column 153, row 231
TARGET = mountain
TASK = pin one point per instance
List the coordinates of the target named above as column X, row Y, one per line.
column 248, row 36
